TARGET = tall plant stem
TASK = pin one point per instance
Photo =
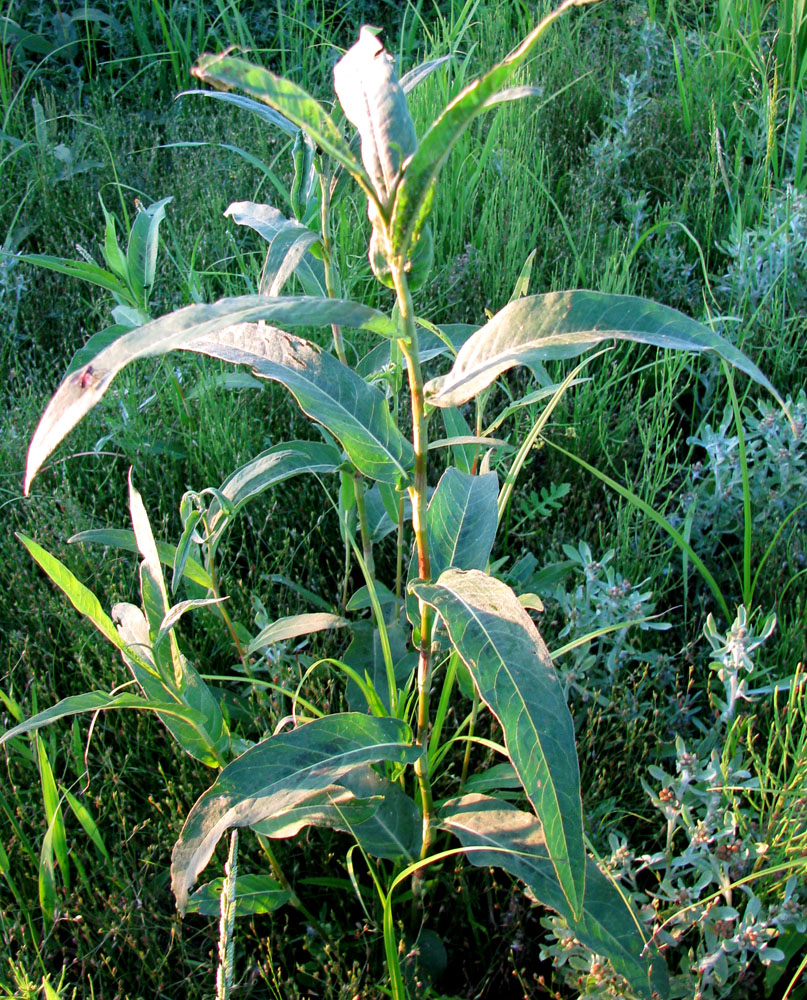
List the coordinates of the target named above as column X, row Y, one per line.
column 418, row 493
column 330, row 271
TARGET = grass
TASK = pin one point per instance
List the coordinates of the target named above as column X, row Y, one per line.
column 668, row 140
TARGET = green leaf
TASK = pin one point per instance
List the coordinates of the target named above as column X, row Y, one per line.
column 379, row 815
column 461, row 521
column 373, row 100
column 123, row 538
column 80, row 269
column 462, row 516
column 513, row 673
column 365, row 655
column 82, row 599
column 91, row 701
column 294, row 626
column 112, row 251
column 294, row 103
column 413, row 193
column 84, row 816
column 281, row 772
column 289, row 240
column 228, row 330
column 141, row 252
column 291, row 458
column 53, row 811
column 503, row 836
column 394, row 829
column 565, row 324
column 196, row 722
column 268, row 115
column 253, row 894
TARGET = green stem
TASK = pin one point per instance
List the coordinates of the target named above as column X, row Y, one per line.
column 214, row 590
column 418, row 493
column 399, row 547
column 330, row 271
column 466, row 760
column 364, row 526
column 280, row 875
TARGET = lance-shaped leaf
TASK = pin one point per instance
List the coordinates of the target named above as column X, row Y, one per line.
column 141, row 251
column 267, row 114
column 294, row 626
column 508, row 838
column 513, row 673
column 558, row 325
column 123, row 538
column 461, row 522
column 355, row 412
column 229, row 331
column 290, row 100
column 289, row 240
column 462, row 517
column 92, row 701
column 374, row 101
column 279, row 773
column 413, row 192
column 292, row 458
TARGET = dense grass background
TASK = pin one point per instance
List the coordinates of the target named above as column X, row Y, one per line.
column 666, row 157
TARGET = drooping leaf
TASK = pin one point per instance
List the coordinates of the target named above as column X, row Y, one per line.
column 504, row 836
column 414, row 191
column 291, row 458
column 91, row 701
column 289, row 99
column 461, row 522
column 564, row 325
column 228, row 330
column 253, row 894
column 278, row 773
column 513, row 673
column 79, row 269
column 123, row 538
column 268, row 115
column 355, row 412
column 419, row 73
column 374, row 101
column 295, row 625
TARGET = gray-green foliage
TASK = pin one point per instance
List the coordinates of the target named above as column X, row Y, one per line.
column 722, row 891
column 311, row 768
